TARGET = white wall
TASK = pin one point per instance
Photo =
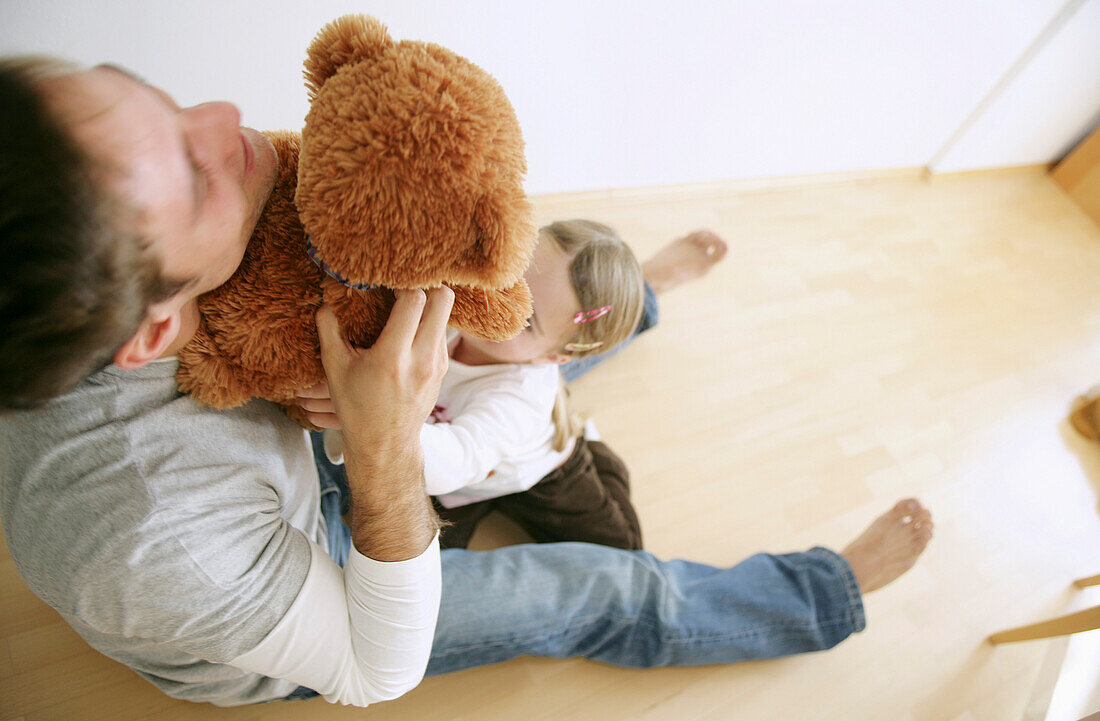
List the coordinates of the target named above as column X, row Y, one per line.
column 1045, row 109
column 618, row 94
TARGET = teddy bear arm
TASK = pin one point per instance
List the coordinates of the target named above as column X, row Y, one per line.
column 494, row 315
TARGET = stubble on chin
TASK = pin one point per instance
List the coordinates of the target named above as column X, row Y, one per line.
column 264, row 187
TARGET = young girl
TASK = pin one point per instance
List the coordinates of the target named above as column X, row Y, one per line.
column 502, row 435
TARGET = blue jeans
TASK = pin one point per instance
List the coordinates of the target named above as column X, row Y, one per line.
column 335, row 498
column 626, row 608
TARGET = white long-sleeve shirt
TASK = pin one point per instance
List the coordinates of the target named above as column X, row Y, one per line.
column 491, row 432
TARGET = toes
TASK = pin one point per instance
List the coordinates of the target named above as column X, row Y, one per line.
column 714, row 247
column 922, row 522
column 711, row 244
column 915, row 519
column 922, row 531
column 909, row 507
column 923, row 536
column 904, row 509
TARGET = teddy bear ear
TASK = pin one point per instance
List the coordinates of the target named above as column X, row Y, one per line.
column 504, row 240
column 346, row 39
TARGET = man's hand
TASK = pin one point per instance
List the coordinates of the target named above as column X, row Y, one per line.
column 381, row 397
column 383, row 394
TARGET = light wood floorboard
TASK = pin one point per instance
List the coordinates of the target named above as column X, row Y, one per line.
column 864, row 341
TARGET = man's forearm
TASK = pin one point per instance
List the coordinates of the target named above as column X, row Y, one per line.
column 381, row 396
column 391, row 516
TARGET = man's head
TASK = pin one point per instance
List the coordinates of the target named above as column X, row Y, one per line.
column 117, row 209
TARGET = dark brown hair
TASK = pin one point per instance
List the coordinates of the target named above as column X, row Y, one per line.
column 74, row 283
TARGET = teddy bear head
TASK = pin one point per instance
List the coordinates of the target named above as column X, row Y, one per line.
column 411, row 165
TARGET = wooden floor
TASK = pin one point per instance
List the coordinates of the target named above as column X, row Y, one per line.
column 864, row 341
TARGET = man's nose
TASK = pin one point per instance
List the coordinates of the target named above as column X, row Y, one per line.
column 220, row 114
column 213, row 132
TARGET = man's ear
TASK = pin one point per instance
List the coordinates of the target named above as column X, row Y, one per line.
column 151, row 340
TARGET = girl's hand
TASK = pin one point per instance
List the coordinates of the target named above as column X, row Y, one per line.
column 316, row 401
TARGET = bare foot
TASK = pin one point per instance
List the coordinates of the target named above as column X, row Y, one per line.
column 1085, row 415
column 684, row 259
column 890, row 545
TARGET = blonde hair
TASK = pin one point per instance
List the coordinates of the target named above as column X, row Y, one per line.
column 603, row 272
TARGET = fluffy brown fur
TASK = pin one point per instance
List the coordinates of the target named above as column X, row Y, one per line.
column 408, row 174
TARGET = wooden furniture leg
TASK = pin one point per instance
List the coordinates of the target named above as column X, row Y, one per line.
column 1086, row 620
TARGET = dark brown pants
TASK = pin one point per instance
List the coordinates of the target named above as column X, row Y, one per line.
column 587, row 498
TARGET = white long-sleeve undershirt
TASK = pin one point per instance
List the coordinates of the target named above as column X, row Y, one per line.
column 358, row 635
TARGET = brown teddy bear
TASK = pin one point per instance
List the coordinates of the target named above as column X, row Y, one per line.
column 408, row 174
